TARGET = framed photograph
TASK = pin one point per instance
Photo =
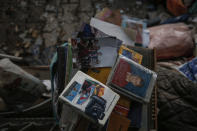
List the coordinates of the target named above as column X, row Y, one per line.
column 132, row 79
column 91, row 98
column 136, row 25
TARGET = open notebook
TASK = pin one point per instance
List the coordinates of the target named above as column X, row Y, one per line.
column 90, row 97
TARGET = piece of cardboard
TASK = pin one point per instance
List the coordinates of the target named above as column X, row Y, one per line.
column 111, row 30
column 118, row 123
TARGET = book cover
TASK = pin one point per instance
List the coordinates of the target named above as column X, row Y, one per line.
column 149, row 59
column 189, row 70
column 90, row 97
column 131, row 54
column 131, row 79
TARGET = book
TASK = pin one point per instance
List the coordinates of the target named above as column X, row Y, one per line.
column 118, row 123
column 149, row 58
column 132, row 79
column 131, row 54
column 149, row 111
column 189, row 70
column 90, row 97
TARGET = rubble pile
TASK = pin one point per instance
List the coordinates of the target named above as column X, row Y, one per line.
column 32, row 29
column 98, row 65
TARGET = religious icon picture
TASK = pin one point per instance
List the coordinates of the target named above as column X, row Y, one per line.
column 132, row 79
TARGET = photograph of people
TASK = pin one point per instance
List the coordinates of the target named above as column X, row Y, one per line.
column 131, row 78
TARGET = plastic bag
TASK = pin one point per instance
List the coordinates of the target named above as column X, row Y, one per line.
column 176, row 7
column 171, row 40
column 18, row 89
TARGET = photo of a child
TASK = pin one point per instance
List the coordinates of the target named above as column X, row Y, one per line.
column 135, row 80
column 131, row 78
column 138, row 26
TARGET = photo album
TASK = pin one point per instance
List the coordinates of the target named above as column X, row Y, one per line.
column 90, row 97
column 132, row 79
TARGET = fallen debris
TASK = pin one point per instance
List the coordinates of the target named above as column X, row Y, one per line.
column 14, row 58
column 16, row 84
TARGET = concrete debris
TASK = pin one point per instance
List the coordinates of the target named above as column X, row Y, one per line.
column 41, row 22
column 50, row 38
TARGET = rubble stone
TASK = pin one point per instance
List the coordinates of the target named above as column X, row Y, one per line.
column 38, row 41
column 50, row 8
column 38, row 24
column 85, row 5
column 50, row 38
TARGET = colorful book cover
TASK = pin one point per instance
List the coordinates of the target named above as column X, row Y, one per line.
column 189, row 70
column 90, row 97
column 131, row 79
column 130, row 54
